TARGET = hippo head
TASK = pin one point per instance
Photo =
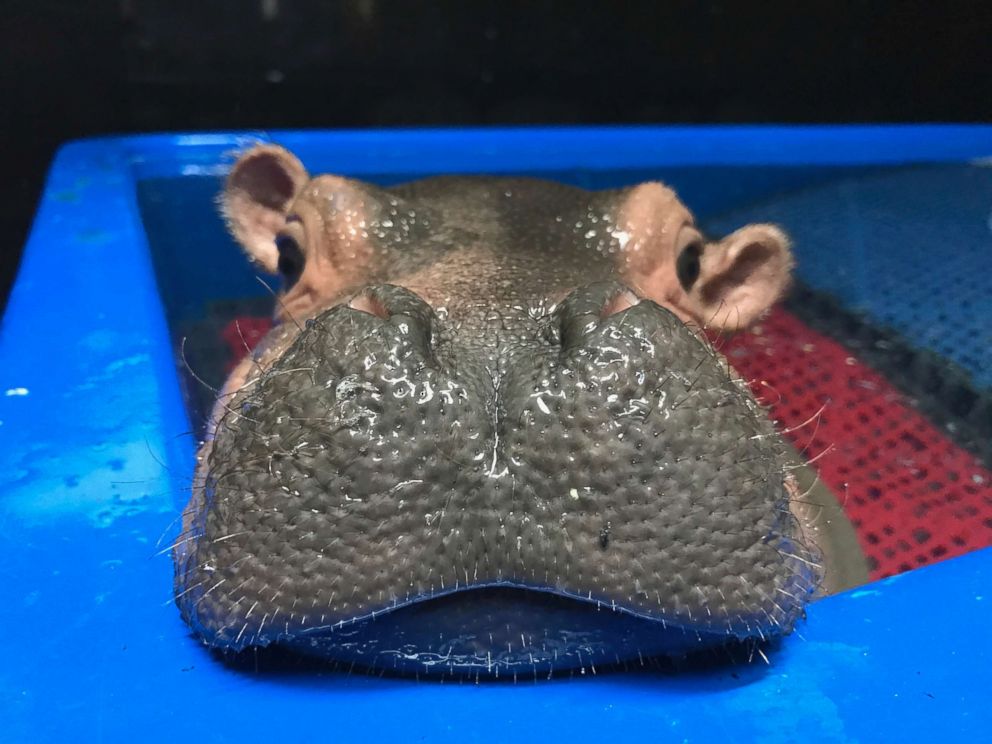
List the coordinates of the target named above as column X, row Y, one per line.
column 488, row 434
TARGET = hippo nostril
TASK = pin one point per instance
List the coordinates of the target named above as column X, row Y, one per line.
column 621, row 301
column 400, row 311
column 387, row 302
column 368, row 303
column 587, row 307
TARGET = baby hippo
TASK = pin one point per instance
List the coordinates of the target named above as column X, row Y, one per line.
column 487, row 435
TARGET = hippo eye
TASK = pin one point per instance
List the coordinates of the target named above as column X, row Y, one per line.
column 290, row 258
column 687, row 265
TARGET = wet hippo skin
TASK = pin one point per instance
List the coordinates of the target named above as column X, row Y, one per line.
column 487, row 435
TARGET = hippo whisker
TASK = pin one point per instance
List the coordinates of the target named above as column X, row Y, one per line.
column 222, row 538
column 229, row 412
column 275, row 373
column 184, row 592
column 175, row 544
column 209, row 591
column 167, row 530
column 826, row 450
column 282, row 305
column 189, row 368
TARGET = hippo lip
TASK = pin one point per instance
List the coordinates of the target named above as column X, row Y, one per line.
column 510, row 628
column 755, row 626
column 504, row 629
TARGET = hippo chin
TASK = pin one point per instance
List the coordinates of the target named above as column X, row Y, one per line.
column 487, row 435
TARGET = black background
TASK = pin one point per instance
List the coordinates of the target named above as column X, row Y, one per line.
column 74, row 68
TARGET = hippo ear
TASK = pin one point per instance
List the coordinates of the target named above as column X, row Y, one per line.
column 258, row 192
column 740, row 277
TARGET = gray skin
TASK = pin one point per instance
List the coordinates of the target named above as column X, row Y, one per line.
column 488, row 437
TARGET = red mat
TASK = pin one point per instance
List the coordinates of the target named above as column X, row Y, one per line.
column 913, row 495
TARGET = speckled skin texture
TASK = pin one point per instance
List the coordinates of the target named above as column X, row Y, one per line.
column 491, row 423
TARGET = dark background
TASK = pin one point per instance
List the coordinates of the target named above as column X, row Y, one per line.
column 75, row 68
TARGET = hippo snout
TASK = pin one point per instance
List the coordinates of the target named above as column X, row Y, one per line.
column 530, row 487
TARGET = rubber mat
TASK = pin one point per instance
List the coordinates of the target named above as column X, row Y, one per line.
column 913, row 496
column 910, row 247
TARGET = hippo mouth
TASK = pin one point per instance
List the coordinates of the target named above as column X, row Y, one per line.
column 509, row 632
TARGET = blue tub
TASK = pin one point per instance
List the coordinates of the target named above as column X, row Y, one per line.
column 96, row 454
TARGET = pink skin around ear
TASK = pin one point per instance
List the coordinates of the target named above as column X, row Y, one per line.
column 652, row 219
column 259, row 189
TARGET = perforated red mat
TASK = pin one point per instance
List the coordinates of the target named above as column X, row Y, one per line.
column 241, row 335
column 913, row 496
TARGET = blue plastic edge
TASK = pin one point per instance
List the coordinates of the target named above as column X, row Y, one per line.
column 509, row 150
column 94, row 465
